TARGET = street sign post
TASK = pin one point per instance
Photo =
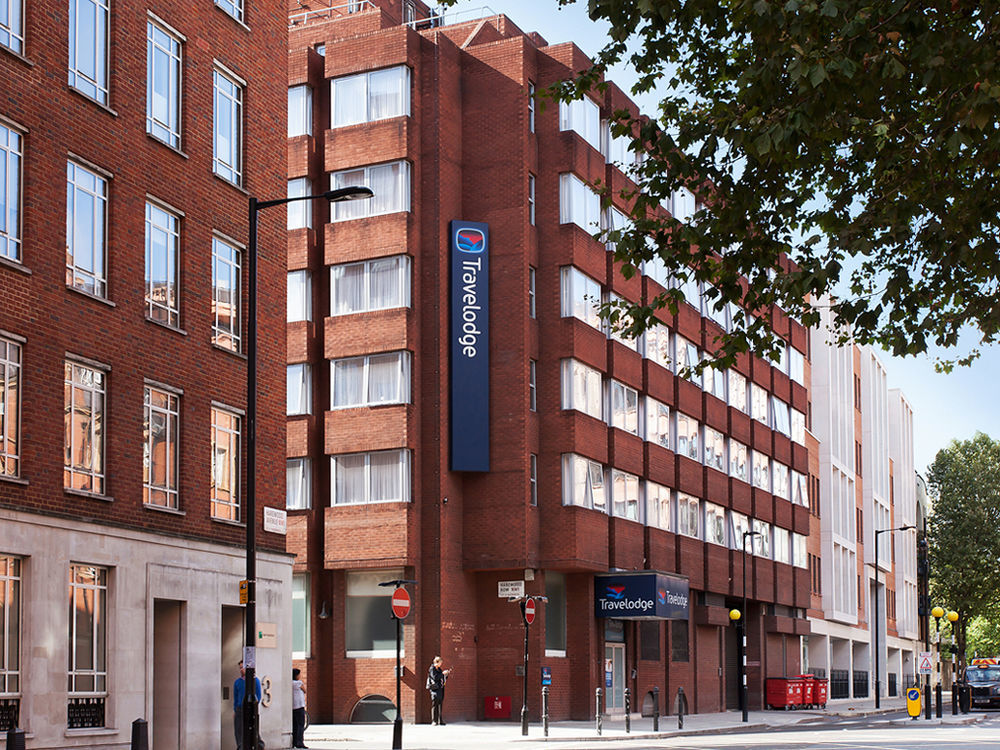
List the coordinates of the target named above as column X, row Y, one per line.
column 925, row 665
column 529, row 611
column 400, row 605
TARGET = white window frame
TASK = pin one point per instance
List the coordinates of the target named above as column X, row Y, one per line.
column 715, row 450
column 232, row 8
column 383, row 202
column 737, row 391
column 578, row 203
column 782, row 548
column 402, row 464
column 531, row 199
column 403, row 271
column 86, row 257
column 761, row 471
column 226, row 440
column 657, row 349
column 531, row 106
column 625, row 495
column 738, row 523
column 532, row 385
column 592, row 493
column 89, row 76
column 300, row 469
column 591, row 400
column 10, row 397
column 800, row 553
column 582, row 116
column 687, row 355
column 403, row 376
column 12, row 28
column 95, row 602
column 796, row 365
column 779, row 416
column 11, row 591
column 715, row 524
column 163, row 124
column 659, row 506
column 229, row 256
column 170, row 415
column 760, row 404
column 300, row 373
column 624, row 407
column 301, row 592
column 299, row 110
column 798, row 426
column 299, row 293
column 402, row 108
column 88, row 384
column 580, row 297
column 688, row 514
column 357, row 580
column 533, row 478
column 762, row 539
column 163, row 225
column 688, row 432
column 532, row 313
column 11, row 158
column 738, row 450
column 658, row 427
column 780, row 484
column 299, row 214
column 227, row 148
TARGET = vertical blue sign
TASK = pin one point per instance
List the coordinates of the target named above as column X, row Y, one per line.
column 470, row 346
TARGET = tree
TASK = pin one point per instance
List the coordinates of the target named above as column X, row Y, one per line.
column 859, row 139
column 964, row 531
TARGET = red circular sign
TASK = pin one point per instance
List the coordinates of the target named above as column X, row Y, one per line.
column 400, row 603
column 529, row 611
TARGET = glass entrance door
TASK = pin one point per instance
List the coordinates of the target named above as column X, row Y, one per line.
column 614, row 666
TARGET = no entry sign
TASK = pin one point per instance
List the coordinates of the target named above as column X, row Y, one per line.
column 400, row 603
column 529, row 611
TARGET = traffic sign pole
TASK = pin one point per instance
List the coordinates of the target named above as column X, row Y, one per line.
column 400, row 609
column 528, row 615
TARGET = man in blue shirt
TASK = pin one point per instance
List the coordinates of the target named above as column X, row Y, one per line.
column 239, row 694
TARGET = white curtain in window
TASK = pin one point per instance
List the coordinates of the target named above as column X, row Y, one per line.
column 386, row 180
column 298, row 389
column 348, row 382
column 596, row 472
column 350, row 209
column 658, row 506
column 350, row 100
column 299, row 301
column 349, row 480
column 348, row 288
column 387, row 93
column 299, row 212
column 386, row 476
column 385, row 283
column 384, row 378
column 299, row 111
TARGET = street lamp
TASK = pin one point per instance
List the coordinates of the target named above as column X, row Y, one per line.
column 952, row 618
column 875, row 620
column 741, row 624
column 250, row 725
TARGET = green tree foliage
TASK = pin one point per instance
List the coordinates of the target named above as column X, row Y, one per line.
column 983, row 637
column 859, row 138
column 964, row 530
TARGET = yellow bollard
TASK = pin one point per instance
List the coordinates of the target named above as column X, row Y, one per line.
column 913, row 702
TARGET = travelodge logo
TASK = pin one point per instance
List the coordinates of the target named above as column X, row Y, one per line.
column 616, row 592
column 616, row 600
column 661, row 596
column 470, row 240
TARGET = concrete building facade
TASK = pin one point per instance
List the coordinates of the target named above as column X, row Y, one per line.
column 130, row 137
column 605, row 467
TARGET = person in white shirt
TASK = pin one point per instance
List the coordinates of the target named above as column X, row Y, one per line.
column 298, row 711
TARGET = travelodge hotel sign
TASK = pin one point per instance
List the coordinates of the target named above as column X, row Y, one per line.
column 644, row 595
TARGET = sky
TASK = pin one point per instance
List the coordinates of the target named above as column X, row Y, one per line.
column 946, row 407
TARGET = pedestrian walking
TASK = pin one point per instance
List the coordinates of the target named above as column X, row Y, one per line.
column 298, row 710
column 436, row 678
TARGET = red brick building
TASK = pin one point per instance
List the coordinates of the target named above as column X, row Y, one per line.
column 130, row 137
column 601, row 460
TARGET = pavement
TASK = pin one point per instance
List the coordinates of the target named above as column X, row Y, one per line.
column 489, row 734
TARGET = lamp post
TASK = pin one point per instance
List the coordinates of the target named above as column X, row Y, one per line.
column 875, row 619
column 250, row 726
column 952, row 618
column 741, row 622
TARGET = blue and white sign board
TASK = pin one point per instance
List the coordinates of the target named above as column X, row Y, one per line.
column 649, row 595
column 470, row 346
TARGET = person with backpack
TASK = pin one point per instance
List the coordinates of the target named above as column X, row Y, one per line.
column 436, row 678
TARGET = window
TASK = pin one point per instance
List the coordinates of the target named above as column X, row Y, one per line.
column 649, row 640
column 715, row 449
column 584, row 117
column 614, row 221
column 300, row 211
column 758, row 403
column 533, row 477
column 657, row 423
column 160, row 431
column 162, row 249
column 381, row 477
column 616, row 322
column 555, row 613
column 10, row 625
column 582, row 388
column 581, row 297
column 683, row 206
column 299, row 389
column 10, row 186
column 714, row 382
column 10, row 408
column 800, row 489
column 369, row 627
column 531, row 292
column 88, row 653
column 390, row 183
column 761, row 471
column 687, row 437
column 299, row 111
column 578, row 203
column 658, row 507
column 227, row 159
column 800, row 556
column 225, row 491
column 738, row 460
column 12, row 26
column 798, row 426
column 739, row 524
column 658, row 345
column 378, row 284
column 779, row 416
column 531, row 107
column 226, row 295
column 163, row 84
column 409, row 12
column 531, row 199
column 715, row 524
column 686, row 355
column 298, row 484
column 300, row 615
column 232, row 7
column 796, row 366
column 679, row 640
column 688, row 515
column 624, row 407
column 583, row 482
column 370, row 380
column 762, row 539
column 299, row 296
column 88, row 48
column 782, row 545
column 366, row 97
column 532, row 385
column 83, row 463
column 625, row 494
column 86, row 221
column 737, row 391
column 779, row 474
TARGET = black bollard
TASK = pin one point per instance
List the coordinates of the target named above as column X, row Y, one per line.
column 597, row 712
column 140, row 735
column 681, row 707
column 15, row 739
column 937, row 700
column 656, row 709
column 628, row 710
column 545, row 710
column 954, row 699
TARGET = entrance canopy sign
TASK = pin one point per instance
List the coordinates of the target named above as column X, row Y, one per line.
column 645, row 595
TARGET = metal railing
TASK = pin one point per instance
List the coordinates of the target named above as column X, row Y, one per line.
column 85, row 713
column 10, row 711
column 840, row 684
column 441, row 17
column 860, row 684
column 339, row 10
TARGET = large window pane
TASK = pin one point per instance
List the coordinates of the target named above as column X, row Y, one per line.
column 578, row 203
column 84, row 420
column 299, row 111
column 226, row 302
column 371, row 285
column 301, row 614
column 369, row 627
column 88, row 588
column 299, row 389
column 555, row 612
column 227, row 161
column 162, row 250
column 160, row 450
column 86, row 219
column 88, row 48
column 389, row 182
column 584, row 117
column 581, row 297
column 366, row 97
column 225, row 490
column 10, row 190
column 10, row 408
column 299, row 296
column 163, row 84
column 10, row 624
column 371, row 380
column 12, row 25
column 582, row 388
column 378, row 477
